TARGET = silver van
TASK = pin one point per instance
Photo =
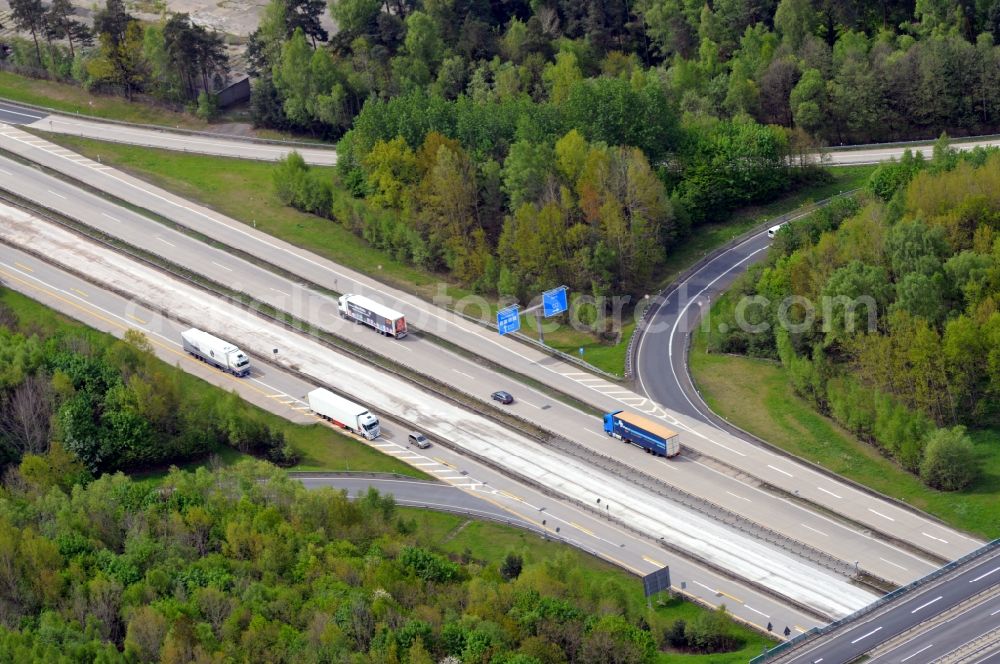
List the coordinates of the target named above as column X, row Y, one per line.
column 772, row 231
column 420, row 440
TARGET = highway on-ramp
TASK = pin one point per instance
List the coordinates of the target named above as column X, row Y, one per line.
column 414, row 493
column 194, row 142
column 283, row 393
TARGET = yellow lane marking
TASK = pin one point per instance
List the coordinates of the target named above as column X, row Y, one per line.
column 137, row 319
column 652, row 562
column 510, row 495
column 582, row 529
column 79, row 292
column 735, row 599
column 23, row 267
column 444, row 463
column 550, row 530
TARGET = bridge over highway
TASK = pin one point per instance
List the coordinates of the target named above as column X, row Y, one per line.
column 932, row 619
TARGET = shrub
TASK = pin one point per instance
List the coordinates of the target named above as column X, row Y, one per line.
column 949, row 460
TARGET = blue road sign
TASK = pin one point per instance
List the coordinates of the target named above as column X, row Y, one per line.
column 554, row 301
column 508, row 320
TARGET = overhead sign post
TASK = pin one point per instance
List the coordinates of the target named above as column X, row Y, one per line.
column 509, row 320
column 554, row 302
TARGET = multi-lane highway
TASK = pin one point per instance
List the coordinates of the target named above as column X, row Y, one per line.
column 282, row 392
column 736, row 458
column 604, row 395
column 625, row 498
column 700, row 477
column 963, row 627
column 858, row 638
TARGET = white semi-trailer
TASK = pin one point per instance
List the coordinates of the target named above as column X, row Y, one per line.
column 345, row 414
column 216, row 351
column 364, row 310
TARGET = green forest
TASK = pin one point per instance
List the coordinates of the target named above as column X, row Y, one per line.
column 518, row 146
column 113, row 406
column 916, row 360
column 244, row 564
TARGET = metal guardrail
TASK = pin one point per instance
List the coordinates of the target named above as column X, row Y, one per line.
column 919, row 142
column 791, row 644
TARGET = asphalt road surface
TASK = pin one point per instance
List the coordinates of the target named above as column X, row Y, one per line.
column 875, row 514
column 947, row 636
column 875, row 154
column 283, row 393
column 199, row 143
column 416, row 493
column 661, row 356
column 697, row 476
column 13, row 114
column 919, row 606
column 245, row 148
column 583, row 479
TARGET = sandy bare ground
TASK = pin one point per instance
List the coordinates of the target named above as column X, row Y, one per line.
column 234, row 17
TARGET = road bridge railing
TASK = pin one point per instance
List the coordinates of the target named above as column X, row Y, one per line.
column 789, row 647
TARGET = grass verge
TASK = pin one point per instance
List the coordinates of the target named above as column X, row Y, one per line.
column 490, row 542
column 756, row 395
column 320, row 447
column 243, row 190
column 74, row 99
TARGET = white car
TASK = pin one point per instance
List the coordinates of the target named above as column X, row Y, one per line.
column 772, row 231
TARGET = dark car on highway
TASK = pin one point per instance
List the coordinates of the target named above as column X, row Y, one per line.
column 503, row 397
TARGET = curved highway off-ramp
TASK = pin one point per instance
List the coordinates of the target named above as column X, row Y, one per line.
column 410, row 492
column 660, row 365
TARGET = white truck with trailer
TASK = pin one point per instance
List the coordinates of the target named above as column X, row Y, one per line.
column 367, row 311
column 215, row 351
column 344, row 413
